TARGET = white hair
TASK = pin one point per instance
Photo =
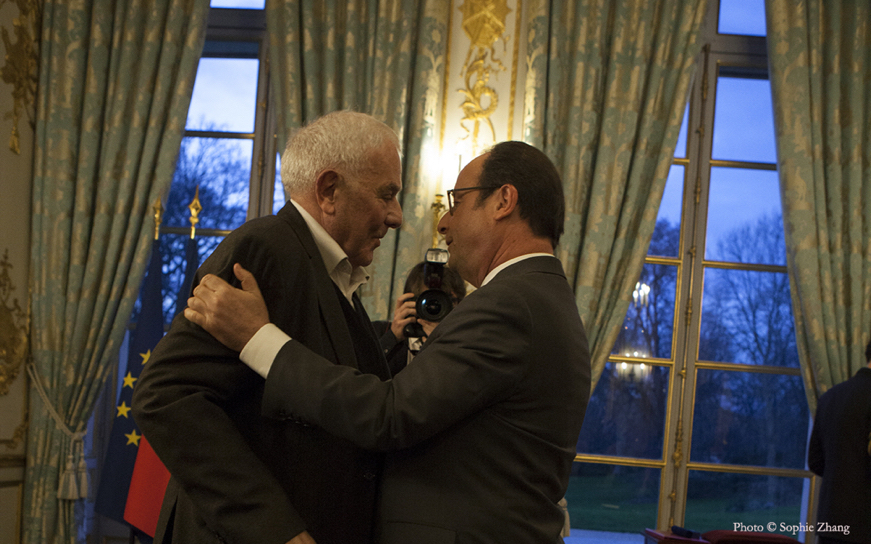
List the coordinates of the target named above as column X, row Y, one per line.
column 341, row 139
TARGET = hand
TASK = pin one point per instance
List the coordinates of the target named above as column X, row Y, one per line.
column 231, row 315
column 302, row 538
column 403, row 314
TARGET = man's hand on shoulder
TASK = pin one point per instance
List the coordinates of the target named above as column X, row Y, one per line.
column 231, row 315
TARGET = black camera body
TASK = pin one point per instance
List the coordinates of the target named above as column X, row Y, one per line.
column 433, row 304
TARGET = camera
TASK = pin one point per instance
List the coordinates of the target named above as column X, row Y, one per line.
column 433, row 304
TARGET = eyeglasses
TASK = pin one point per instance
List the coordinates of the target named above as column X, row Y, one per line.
column 452, row 203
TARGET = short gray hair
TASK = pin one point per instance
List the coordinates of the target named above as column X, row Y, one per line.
column 341, row 139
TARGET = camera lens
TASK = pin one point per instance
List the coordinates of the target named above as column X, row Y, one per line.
column 433, row 305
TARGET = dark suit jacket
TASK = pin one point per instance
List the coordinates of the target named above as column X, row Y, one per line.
column 486, row 419
column 237, row 476
column 395, row 351
column 838, row 452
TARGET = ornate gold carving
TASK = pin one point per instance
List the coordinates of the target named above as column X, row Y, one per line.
column 17, row 435
column 21, row 68
column 514, row 64
column 484, row 25
column 13, row 329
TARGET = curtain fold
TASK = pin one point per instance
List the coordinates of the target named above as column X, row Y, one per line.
column 820, row 67
column 115, row 82
column 607, row 86
column 381, row 57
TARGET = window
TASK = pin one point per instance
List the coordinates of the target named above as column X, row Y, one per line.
column 700, row 417
column 224, row 153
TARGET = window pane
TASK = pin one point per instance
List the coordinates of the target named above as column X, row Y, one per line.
column 221, row 168
column 680, row 149
column 744, row 121
column 278, row 196
column 626, row 414
column 717, row 500
column 666, row 235
column 744, row 217
column 749, row 418
column 250, row 4
column 745, row 17
column 175, row 265
column 225, row 95
column 649, row 324
column 747, row 318
column 612, row 498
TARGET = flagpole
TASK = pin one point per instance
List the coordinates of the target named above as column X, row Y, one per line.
column 191, row 255
column 132, row 479
column 158, row 216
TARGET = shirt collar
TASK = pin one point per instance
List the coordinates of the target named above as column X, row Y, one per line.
column 509, row 262
column 335, row 259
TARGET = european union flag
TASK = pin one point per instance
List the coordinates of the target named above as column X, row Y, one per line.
column 125, row 440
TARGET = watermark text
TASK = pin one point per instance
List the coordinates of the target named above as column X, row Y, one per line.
column 792, row 528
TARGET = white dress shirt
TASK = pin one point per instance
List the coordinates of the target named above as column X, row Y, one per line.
column 261, row 350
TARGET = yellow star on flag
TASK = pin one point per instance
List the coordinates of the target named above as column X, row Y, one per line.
column 145, row 356
column 128, row 380
column 133, row 438
column 123, row 410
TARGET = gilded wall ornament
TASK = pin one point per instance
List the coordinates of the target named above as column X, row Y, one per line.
column 13, row 329
column 17, row 436
column 484, row 25
column 21, row 64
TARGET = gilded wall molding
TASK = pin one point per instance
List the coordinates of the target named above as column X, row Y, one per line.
column 14, row 326
column 17, row 435
column 484, row 25
column 21, row 64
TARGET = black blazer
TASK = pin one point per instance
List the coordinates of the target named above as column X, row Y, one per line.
column 485, row 420
column 238, row 476
column 395, row 351
column 838, row 451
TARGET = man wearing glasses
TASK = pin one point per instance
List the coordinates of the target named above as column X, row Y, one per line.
column 483, row 427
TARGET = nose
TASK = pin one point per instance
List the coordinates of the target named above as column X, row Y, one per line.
column 394, row 215
column 443, row 223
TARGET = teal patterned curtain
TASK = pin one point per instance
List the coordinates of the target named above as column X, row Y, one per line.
column 610, row 83
column 820, row 62
column 114, row 87
column 381, row 57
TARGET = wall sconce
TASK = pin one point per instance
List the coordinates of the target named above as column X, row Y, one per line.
column 437, row 210
column 446, row 166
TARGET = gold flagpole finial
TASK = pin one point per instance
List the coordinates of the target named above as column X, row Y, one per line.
column 158, row 215
column 195, row 208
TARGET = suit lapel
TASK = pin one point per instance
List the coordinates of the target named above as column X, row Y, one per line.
column 378, row 364
column 331, row 310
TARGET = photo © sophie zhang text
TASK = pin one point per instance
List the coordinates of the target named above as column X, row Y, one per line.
column 820, row 527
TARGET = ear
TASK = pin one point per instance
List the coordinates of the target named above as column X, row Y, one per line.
column 325, row 190
column 506, row 201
